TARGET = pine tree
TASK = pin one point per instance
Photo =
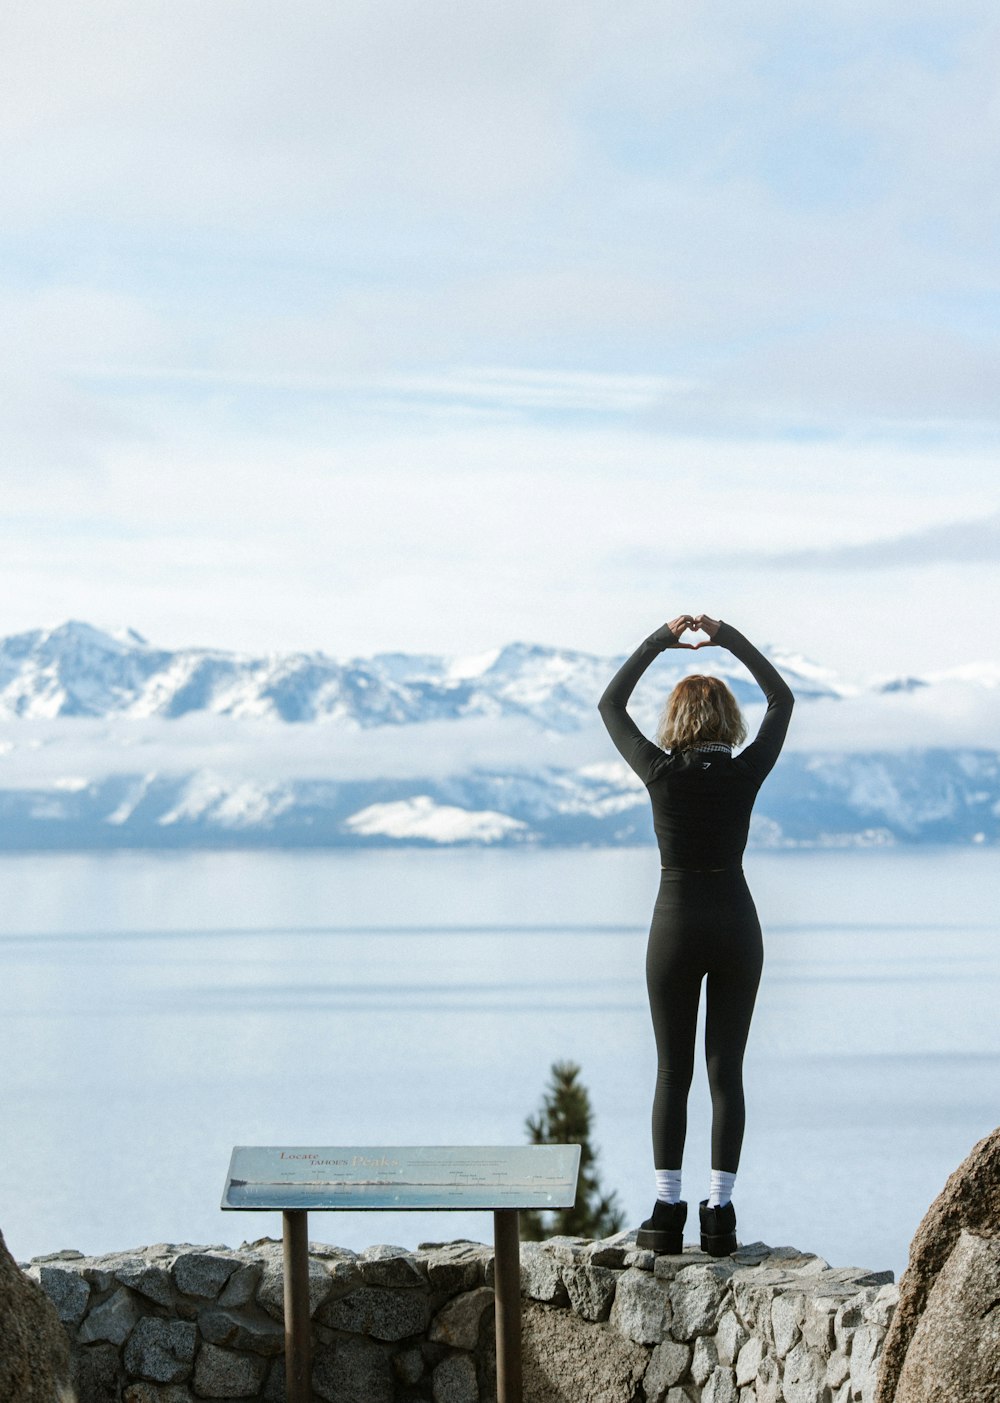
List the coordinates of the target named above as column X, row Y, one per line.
column 565, row 1118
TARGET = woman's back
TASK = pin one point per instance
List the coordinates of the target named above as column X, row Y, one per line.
column 702, row 798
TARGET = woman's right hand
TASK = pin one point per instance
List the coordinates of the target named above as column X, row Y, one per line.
column 679, row 625
column 707, row 625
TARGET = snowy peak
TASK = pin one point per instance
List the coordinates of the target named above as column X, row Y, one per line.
column 812, row 678
column 78, row 670
column 985, row 675
column 72, row 670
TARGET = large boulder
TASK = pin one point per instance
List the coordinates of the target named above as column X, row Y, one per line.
column 943, row 1342
column 566, row 1359
column 34, row 1350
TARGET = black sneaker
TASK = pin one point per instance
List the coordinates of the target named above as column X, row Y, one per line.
column 664, row 1231
column 718, row 1228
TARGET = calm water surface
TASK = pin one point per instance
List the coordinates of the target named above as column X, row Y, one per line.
column 158, row 1010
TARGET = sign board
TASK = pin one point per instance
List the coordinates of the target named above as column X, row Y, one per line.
column 402, row 1176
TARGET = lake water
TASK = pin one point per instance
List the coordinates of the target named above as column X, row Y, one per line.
column 158, row 1010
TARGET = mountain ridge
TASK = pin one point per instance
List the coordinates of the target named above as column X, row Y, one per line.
column 550, row 790
column 810, row 801
column 76, row 669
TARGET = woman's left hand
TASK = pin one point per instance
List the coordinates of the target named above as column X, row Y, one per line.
column 704, row 624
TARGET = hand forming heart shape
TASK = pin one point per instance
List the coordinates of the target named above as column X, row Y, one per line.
column 695, row 623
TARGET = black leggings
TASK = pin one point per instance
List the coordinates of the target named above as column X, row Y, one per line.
column 704, row 923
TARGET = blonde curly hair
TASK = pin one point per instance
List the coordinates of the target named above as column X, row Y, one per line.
column 700, row 711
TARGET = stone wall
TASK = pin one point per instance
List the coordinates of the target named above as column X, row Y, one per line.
column 602, row 1323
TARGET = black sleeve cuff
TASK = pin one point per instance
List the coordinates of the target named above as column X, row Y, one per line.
column 664, row 637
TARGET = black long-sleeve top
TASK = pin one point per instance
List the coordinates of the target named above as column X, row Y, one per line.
column 702, row 799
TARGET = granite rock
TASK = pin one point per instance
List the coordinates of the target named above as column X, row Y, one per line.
column 696, row 1294
column 454, row 1380
column 457, row 1323
column 97, row 1374
column 612, row 1251
column 787, row 1313
column 239, row 1330
column 803, row 1378
column 668, row 1364
column 409, row 1365
column 817, row 1323
column 641, row 1310
column 838, row 1368
column 384, row 1314
column 389, row 1266
column 223, row 1373
column 865, row 1349
column 591, row 1290
column 882, row 1307
column 455, row 1268
column 641, row 1258
column 353, row 1371
column 161, row 1351
column 704, row 1358
column 667, row 1266
column 147, row 1278
column 156, row 1393
column 111, row 1320
column 241, row 1288
column 720, row 1386
column 970, row 1200
column 954, row 1352
column 271, row 1289
column 68, row 1290
column 566, row 1359
column 748, row 1360
column 34, row 1354
column 541, row 1275
column 203, row 1274
column 730, row 1337
column 567, row 1250
column 847, row 1321
column 768, row 1381
column 274, row 1389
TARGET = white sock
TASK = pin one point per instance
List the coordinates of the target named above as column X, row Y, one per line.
column 722, row 1188
column 668, row 1185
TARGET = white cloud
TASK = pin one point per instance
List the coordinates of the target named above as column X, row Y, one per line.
column 69, row 752
column 309, row 308
column 40, row 752
column 950, row 716
column 254, row 111
column 462, row 539
column 957, row 542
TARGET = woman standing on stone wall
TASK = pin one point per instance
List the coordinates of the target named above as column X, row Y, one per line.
column 704, row 921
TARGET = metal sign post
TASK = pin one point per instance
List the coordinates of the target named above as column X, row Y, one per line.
column 497, row 1178
column 298, row 1364
column 507, row 1303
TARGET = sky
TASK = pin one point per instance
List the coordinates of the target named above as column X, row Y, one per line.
column 429, row 327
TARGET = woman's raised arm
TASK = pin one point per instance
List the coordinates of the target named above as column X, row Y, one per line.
column 759, row 757
column 632, row 745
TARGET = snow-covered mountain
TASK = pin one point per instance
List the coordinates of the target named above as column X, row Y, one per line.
column 810, row 801
column 94, row 753
column 77, row 670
